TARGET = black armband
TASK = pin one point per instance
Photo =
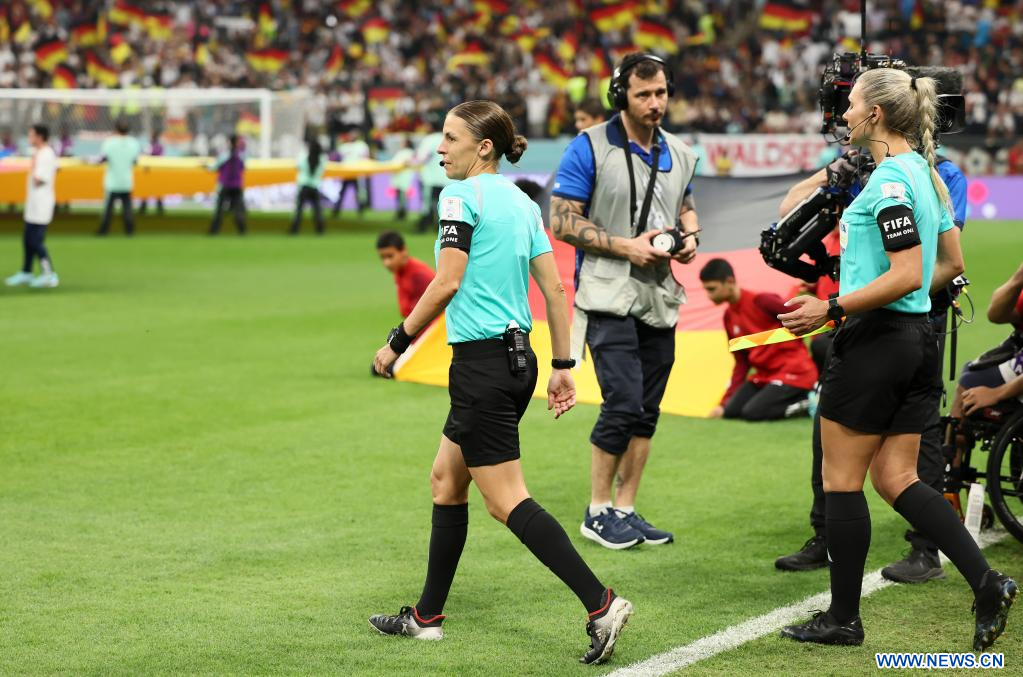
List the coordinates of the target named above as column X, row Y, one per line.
column 398, row 339
column 455, row 234
column 898, row 228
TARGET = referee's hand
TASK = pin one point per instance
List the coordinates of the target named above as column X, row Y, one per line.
column 560, row 392
column 808, row 313
column 383, row 361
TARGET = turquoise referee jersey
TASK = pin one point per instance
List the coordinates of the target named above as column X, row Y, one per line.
column 903, row 179
column 507, row 233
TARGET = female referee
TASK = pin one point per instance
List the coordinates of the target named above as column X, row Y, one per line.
column 491, row 239
column 898, row 243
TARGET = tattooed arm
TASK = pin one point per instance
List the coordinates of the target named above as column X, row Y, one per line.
column 570, row 226
column 690, row 223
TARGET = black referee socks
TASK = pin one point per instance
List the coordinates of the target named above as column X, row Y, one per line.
column 545, row 538
column 933, row 516
column 848, row 536
column 447, row 538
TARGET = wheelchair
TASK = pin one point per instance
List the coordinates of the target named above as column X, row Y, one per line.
column 998, row 430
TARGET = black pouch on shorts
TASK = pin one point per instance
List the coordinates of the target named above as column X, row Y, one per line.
column 515, row 345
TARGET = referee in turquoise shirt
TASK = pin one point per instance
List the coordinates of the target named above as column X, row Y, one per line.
column 491, row 239
column 898, row 245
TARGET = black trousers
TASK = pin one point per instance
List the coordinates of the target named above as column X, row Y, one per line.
column 33, row 242
column 623, row 348
column 310, row 195
column 354, row 185
column 235, row 197
column 126, row 208
column 753, row 402
column 429, row 217
column 930, row 465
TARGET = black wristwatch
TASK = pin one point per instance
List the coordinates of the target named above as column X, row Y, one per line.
column 562, row 364
column 398, row 339
column 835, row 311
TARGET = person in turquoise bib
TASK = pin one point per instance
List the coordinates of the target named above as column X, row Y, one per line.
column 311, row 166
column 898, row 245
column 491, row 239
column 120, row 153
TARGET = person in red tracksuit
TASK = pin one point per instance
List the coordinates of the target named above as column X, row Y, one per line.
column 411, row 276
column 784, row 372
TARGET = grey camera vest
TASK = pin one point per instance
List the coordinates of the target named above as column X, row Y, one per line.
column 612, row 285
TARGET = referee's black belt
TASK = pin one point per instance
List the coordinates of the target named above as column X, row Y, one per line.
column 474, row 350
column 889, row 315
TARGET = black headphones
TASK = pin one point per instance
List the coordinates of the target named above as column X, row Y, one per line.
column 617, row 92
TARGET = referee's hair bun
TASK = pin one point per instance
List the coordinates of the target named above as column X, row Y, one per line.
column 518, row 147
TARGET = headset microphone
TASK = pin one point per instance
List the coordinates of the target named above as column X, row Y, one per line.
column 848, row 137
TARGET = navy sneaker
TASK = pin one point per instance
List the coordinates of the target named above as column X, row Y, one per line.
column 608, row 529
column 651, row 534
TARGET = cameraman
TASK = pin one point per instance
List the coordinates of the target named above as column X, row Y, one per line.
column 922, row 563
column 619, row 185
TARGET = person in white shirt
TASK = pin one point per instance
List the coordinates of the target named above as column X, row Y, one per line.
column 40, row 198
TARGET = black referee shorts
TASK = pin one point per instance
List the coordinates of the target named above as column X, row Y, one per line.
column 487, row 401
column 883, row 373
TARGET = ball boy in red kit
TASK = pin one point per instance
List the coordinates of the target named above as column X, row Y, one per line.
column 784, row 373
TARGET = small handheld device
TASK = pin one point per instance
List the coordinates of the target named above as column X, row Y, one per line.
column 515, row 345
column 673, row 240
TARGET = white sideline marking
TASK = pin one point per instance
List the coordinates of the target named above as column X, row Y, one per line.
column 737, row 635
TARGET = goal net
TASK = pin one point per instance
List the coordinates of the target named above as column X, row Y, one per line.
column 185, row 121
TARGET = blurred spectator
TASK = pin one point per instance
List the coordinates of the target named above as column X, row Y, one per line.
column 588, row 113
column 120, row 152
column 310, row 173
column 230, row 168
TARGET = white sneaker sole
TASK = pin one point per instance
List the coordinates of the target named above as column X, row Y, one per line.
column 595, row 537
column 427, row 634
column 659, row 541
column 619, row 617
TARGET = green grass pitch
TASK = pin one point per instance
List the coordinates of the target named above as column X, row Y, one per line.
column 198, row 475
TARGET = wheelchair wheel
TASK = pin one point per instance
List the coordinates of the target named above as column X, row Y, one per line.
column 1005, row 475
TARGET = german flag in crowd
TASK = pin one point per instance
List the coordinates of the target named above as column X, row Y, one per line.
column 23, row 33
column 509, row 24
column 43, row 8
column 124, row 13
column 63, row 77
column 267, row 23
column 87, row 34
column 598, row 63
column 49, row 53
column 787, row 16
column 120, row 50
column 655, row 36
column 492, row 7
column 471, row 55
column 619, row 52
column 525, row 38
column 334, row 63
column 551, row 70
column 267, row 60
column 568, row 47
column 248, row 124
column 614, row 16
column 375, row 30
column 354, row 8
column 916, row 17
column 100, row 71
column 160, row 26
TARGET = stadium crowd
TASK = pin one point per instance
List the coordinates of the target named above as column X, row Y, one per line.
column 736, row 69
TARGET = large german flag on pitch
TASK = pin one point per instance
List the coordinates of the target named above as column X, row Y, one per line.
column 789, row 16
